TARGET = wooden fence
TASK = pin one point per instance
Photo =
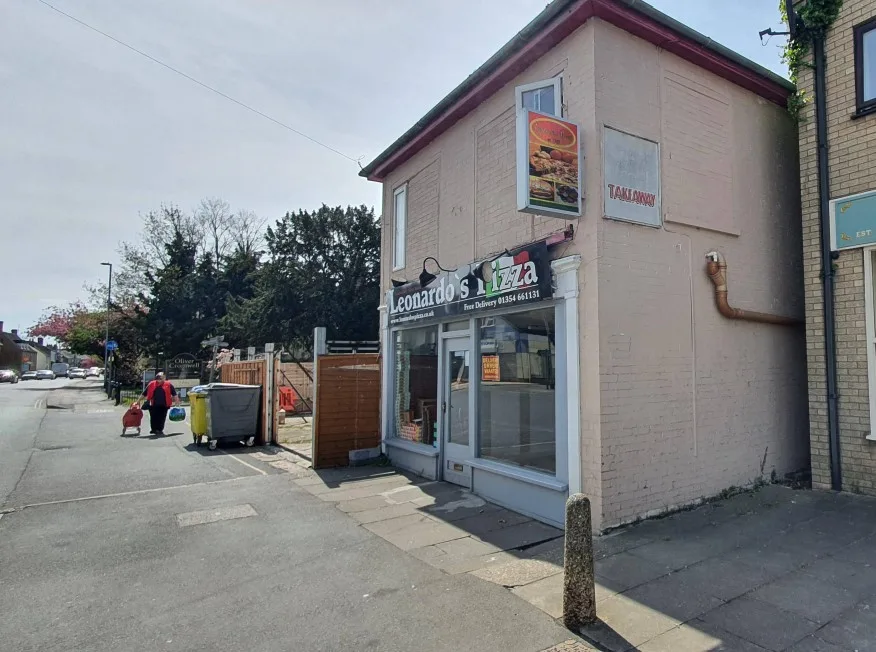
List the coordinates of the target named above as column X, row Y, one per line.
column 348, row 407
column 250, row 372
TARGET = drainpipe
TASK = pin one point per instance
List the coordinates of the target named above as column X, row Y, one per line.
column 716, row 269
column 827, row 273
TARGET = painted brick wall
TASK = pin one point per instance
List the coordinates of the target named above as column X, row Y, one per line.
column 851, row 145
column 693, row 403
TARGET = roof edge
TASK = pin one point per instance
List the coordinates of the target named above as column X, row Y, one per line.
column 557, row 21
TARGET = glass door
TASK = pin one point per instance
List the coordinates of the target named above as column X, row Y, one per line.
column 455, row 409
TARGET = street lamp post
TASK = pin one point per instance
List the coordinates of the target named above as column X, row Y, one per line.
column 109, row 291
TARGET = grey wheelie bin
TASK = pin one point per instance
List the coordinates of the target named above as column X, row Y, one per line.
column 232, row 413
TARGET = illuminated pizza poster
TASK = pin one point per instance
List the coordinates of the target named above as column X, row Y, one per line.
column 548, row 164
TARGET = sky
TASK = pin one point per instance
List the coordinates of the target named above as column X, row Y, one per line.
column 93, row 134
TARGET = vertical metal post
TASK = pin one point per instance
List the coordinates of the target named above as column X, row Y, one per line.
column 269, row 393
column 109, row 291
column 319, row 348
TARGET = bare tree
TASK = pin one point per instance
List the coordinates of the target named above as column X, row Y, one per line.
column 248, row 231
column 214, row 216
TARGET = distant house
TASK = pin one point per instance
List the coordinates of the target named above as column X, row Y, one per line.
column 34, row 355
column 10, row 354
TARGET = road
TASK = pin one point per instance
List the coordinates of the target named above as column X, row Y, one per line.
column 146, row 543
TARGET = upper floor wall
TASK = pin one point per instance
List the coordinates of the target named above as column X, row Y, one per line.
column 459, row 198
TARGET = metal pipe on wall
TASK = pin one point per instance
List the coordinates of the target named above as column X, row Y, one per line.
column 827, row 273
column 716, row 269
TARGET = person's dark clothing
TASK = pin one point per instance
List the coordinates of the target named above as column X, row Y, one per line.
column 157, row 417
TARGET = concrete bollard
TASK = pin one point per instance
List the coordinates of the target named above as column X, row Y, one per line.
column 579, row 589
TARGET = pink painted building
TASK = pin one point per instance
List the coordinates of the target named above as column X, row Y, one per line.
column 564, row 202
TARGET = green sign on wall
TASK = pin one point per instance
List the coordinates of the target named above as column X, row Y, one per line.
column 853, row 221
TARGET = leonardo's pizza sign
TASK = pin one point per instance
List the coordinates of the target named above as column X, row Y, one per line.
column 548, row 164
column 516, row 278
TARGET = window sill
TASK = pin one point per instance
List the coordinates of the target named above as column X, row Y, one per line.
column 871, row 436
column 863, row 112
column 404, row 444
column 516, row 473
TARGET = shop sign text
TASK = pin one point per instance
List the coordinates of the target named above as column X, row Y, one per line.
column 632, row 178
column 522, row 276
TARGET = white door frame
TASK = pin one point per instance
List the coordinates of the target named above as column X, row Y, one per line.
column 455, row 458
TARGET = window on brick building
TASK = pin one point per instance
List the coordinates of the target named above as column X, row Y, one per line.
column 399, row 219
column 542, row 96
column 865, row 65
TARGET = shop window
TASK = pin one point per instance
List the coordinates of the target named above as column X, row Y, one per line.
column 543, row 96
column 416, row 385
column 865, row 65
column 517, row 414
column 400, row 217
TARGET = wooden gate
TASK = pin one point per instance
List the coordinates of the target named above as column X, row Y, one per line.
column 348, row 407
column 250, row 372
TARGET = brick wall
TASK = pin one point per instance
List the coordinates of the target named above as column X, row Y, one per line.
column 851, row 145
column 693, row 403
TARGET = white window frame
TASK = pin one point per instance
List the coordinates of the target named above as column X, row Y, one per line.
column 399, row 228
column 556, row 82
column 870, row 322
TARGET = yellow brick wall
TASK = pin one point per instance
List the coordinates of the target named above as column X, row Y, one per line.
column 851, row 144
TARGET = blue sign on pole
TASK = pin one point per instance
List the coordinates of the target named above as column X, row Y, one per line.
column 853, row 221
column 112, row 345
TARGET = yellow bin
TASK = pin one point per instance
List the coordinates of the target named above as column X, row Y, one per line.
column 198, row 404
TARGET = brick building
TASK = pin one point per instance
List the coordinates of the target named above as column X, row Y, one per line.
column 548, row 324
column 850, row 104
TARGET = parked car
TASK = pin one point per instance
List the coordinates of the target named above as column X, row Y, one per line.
column 29, row 375
column 45, row 374
column 77, row 373
column 8, row 376
column 61, row 369
column 94, row 372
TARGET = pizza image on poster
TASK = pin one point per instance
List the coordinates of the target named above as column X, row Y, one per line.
column 552, row 166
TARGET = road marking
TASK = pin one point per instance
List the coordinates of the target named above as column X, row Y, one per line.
column 128, row 493
column 254, row 468
column 205, row 516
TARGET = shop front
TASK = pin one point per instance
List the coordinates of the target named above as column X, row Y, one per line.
column 480, row 367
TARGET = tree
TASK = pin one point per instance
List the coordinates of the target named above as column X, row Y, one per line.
column 322, row 269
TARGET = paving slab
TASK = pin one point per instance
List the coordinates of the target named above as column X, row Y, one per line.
column 362, row 504
column 698, row 636
column 862, row 552
column 482, row 524
column 522, row 534
column 815, row 644
column 677, row 552
column 624, row 624
column 774, row 561
column 855, row 629
column 624, row 571
column 546, row 594
column 384, row 513
column 724, row 579
column 620, row 541
column 676, row 597
column 470, row 564
column 811, row 597
column 418, row 532
column 518, row 573
column 453, row 553
column 858, row 578
column 553, row 551
column 761, row 623
column 469, row 505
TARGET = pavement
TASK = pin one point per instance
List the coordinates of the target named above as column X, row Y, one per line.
column 771, row 569
column 150, row 543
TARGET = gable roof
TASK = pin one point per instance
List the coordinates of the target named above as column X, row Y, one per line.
column 557, row 21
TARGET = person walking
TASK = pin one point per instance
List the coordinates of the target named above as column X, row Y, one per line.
column 160, row 395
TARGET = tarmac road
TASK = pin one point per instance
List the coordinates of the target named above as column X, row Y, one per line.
column 144, row 543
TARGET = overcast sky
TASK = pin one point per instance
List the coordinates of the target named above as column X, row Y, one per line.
column 91, row 133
